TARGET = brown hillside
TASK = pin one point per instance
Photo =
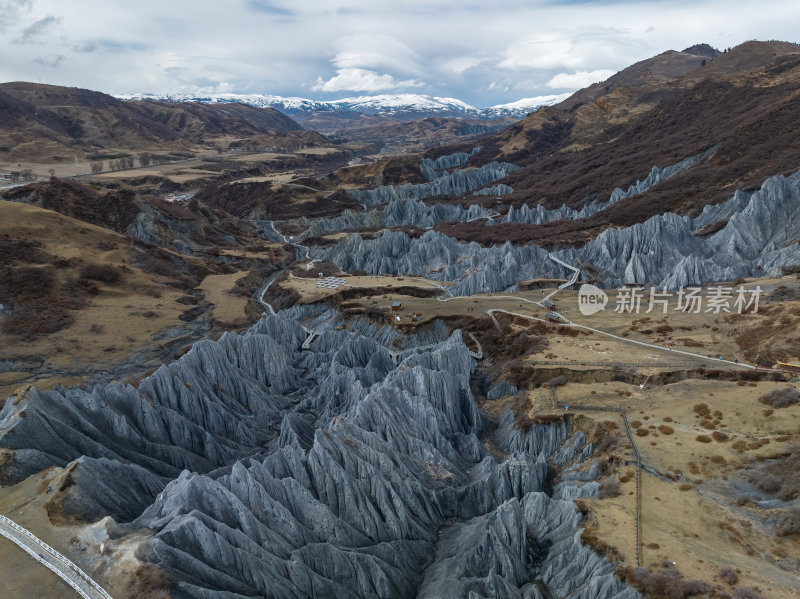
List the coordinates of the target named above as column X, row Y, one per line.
column 177, row 225
column 274, row 201
column 35, row 117
column 113, row 210
column 746, row 102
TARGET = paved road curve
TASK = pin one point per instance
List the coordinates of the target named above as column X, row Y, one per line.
column 52, row 559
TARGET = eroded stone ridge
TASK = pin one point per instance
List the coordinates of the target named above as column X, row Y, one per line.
column 262, row 469
column 751, row 234
column 403, row 208
column 458, row 182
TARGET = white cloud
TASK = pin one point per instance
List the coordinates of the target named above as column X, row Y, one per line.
column 11, row 12
column 51, row 60
column 361, row 80
column 375, row 51
column 542, row 51
column 462, row 63
column 579, row 79
column 38, row 31
column 261, row 46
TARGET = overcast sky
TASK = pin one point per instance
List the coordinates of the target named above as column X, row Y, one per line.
column 482, row 52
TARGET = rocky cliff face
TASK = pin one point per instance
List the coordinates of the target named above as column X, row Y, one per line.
column 397, row 213
column 433, row 169
column 753, row 234
column 262, row 469
column 758, row 236
column 458, row 182
column 540, row 215
column 402, row 208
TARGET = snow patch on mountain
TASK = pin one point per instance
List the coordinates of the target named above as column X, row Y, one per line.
column 378, row 104
column 526, row 105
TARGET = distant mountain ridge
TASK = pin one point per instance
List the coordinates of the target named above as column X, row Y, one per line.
column 398, row 105
column 42, row 120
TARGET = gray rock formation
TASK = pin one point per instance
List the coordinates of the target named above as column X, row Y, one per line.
column 501, row 189
column 185, row 235
column 402, row 205
column 540, row 215
column 439, row 257
column 399, row 212
column 433, row 169
column 265, row 470
column 16, row 466
column 757, row 235
column 458, row 182
column 394, row 214
column 90, row 489
column 501, row 389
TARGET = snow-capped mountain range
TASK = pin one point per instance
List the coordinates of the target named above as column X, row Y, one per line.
column 386, row 104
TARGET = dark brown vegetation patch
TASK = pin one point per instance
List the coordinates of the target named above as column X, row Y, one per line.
column 346, row 295
column 789, row 523
column 105, row 273
column 782, row 293
column 781, row 398
column 556, row 381
column 279, row 297
column 506, row 345
column 21, row 250
column 186, row 272
column 728, row 575
column 173, row 210
column 609, row 487
column 148, row 582
column 39, row 317
column 39, row 304
column 779, row 476
column 684, row 123
column 25, row 281
column 274, row 202
column 662, row 583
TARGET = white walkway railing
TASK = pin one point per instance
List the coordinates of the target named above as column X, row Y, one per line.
column 52, row 559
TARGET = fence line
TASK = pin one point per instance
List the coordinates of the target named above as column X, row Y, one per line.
column 638, row 457
column 638, row 489
column 618, row 364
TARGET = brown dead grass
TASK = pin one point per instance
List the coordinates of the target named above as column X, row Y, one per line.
column 84, row 328
column 227, row 307
column 149, row 582
column 681, row 519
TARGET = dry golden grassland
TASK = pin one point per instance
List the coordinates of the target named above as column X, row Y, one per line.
column 700, row 433
column 120, row 319
column 227, row 307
